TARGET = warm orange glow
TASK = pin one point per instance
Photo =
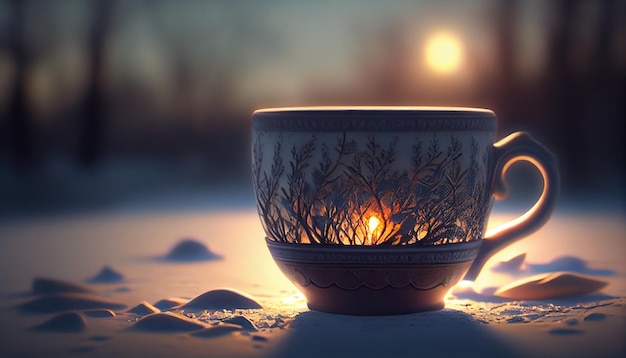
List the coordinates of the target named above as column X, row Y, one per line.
column 297, row 299
column 372, row 224
column 443, row 53
column 422, row 234
column 465, row 283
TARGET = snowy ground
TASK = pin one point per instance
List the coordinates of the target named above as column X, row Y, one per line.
column 74, row 248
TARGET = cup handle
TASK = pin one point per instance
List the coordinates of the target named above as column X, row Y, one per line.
column 515, row 147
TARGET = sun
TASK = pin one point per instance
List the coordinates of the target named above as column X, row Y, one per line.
column 443, row 53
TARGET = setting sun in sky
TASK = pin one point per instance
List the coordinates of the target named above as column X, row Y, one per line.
column 443, row 53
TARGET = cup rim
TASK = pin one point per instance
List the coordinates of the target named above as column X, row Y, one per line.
column 430, row 110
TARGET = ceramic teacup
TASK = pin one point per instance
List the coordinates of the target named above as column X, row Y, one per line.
column 381, row 210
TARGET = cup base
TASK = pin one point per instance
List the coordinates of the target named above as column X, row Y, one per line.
column 367, row 302
column 374, row 281
column 369, row 311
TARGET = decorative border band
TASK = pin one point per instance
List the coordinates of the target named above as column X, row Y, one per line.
column 376, row 255
column 373, row 121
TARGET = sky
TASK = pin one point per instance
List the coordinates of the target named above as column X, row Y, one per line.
column 283, row 51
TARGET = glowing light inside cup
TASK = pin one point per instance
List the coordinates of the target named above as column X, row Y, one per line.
column 373, row 223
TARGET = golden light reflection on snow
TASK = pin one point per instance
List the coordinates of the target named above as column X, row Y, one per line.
column 294, row 300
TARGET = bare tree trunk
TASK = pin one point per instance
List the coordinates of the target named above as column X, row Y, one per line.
column 603, row 89
column 601, row 54
column 561, row 92
column 92, row 131
column 506, row 89
column 19, row 121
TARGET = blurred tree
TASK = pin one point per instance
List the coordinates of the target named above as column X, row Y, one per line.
column 506, row 89
column 208, row 52
column 20, row 125
column 206, row 57
column 584, row 103
column 93, row 117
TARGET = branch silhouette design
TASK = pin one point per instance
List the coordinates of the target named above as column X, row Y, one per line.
column 326, row 196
